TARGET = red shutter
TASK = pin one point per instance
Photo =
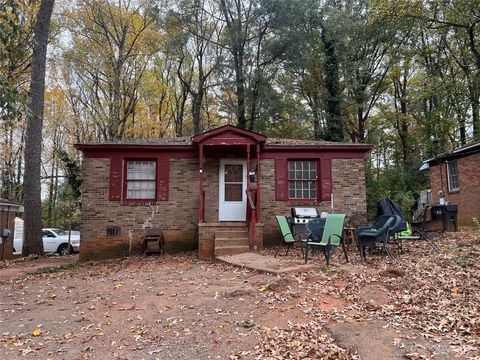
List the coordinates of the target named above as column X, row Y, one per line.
column 115, row 188
column 325, row 179
column 281, row 179
column 163, row 167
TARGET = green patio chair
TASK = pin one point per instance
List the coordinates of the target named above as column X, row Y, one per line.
column 288, row 237
column 325, row 236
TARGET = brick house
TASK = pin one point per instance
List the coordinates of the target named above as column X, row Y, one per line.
column 217, row 191
column 455, row 174
column 8, row 210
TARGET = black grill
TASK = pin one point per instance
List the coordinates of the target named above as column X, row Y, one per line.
column 300, row 218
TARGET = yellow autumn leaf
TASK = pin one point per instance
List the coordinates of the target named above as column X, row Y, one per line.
column 36, row 332
column 263, row 288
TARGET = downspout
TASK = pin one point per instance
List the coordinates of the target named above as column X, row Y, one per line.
column 441, row 179
column 201, row 208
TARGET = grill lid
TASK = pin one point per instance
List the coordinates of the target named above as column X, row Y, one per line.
column 298, row 212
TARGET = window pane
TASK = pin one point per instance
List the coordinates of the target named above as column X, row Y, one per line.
column 141, row 170
column 233, row 192
column 233, row 173
column 141, row 190
column 302, row 176
column 453, row 183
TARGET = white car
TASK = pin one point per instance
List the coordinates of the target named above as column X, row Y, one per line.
column 54, row 241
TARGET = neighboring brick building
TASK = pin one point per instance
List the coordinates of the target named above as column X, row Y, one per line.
column 210, row 191
column 8, row 210
column 456, row 175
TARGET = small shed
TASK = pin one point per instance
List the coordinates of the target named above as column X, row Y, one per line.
column 8, row 210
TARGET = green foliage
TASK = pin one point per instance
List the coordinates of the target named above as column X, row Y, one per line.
column 73, row 173
column 61, row 268
column 14, row 54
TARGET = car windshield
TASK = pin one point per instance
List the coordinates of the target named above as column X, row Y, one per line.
column 60, row 232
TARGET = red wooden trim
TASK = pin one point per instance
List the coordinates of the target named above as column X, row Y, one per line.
column 306, row 155
column 228, row 141
column 325, row 179
column 131, row 147
column 158, row 153
column 333, row 148
column 115, row 179
column 228, row 129
column 125, row 181
column 163, row 178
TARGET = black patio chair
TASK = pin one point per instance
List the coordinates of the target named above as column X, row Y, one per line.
column 376, row 235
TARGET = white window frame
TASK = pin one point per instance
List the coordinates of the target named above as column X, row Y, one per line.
column 136, row 177
column 450, row 175
column 296, row 180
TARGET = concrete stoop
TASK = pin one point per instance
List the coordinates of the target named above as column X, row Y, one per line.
column 231, row 240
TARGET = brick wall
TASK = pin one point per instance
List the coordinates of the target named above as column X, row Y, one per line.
column 468, row 196
column 210, row 186
column 178, row 217
column 348, row 176
column 7, row 221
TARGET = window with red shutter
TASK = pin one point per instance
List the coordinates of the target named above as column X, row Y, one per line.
column 141, row 180
column 302, row 179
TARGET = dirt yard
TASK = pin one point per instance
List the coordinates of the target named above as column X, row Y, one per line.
column 423, row 305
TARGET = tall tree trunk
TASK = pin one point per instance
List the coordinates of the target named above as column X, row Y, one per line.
column 475, row 104
column 332, row 83
column 240, row 86
column 33, row 243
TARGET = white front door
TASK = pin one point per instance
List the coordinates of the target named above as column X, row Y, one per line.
column 232, row 190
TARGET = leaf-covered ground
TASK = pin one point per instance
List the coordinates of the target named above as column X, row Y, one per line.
column 423, row 304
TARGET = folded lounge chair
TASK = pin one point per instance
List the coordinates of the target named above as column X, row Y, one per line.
column 288, row 237
column 331, row 234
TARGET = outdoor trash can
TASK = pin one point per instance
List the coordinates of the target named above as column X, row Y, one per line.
column 447, row 214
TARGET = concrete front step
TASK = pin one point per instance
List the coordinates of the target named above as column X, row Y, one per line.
column 228, row 241
column 231, row 234
column 231, row 250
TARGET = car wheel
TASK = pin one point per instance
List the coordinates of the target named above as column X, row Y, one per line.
column 63, row 250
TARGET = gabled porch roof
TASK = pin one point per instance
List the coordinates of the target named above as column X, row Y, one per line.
column 229, row 135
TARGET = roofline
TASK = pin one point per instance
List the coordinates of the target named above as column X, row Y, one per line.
column 180, row 147
column 122, row 147
column 462, row 151
column 342, row 147
column 4, row 203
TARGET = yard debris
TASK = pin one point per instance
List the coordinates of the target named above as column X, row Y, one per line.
column 427, row 301
column 248, row 324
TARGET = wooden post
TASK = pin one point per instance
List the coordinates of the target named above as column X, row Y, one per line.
column 257, row 205
column 248, row 166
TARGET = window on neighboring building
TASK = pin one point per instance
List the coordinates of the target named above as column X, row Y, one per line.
column 141, row 179
column 452, row 169
column 302, row 179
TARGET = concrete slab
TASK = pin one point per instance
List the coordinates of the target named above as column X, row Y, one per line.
column 269, row 264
